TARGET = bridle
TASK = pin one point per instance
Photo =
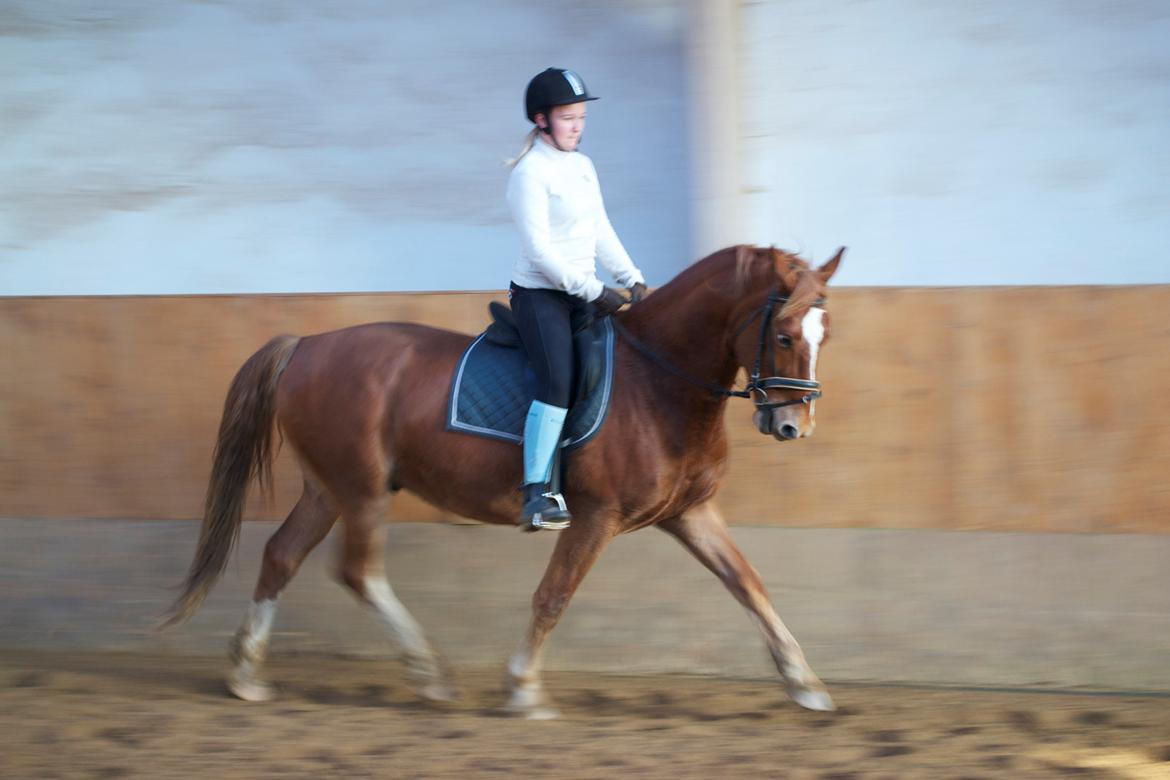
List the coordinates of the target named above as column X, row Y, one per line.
column 757, row 385
column 761, row 385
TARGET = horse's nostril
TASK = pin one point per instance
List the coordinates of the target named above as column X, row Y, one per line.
column 788, row 431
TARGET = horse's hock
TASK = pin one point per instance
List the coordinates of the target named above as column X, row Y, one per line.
column 913, row 540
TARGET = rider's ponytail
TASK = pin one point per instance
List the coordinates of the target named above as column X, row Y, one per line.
column 529, row 140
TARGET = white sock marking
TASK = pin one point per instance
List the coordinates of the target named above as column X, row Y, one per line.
column 518, row 666
column 257, row 626
column 400, row 622
column 260, row 615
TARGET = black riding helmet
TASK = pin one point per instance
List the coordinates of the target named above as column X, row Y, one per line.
column 551, row 88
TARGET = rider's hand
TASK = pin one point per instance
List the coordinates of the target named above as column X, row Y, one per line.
column 637, row 292
column 608, row 302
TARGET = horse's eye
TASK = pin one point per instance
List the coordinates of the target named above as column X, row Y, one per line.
column 785, row 340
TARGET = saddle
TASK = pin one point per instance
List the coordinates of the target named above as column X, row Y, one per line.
column 494, row 384
column 503, row 329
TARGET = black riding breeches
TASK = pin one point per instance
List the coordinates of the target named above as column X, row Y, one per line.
column 548, row 321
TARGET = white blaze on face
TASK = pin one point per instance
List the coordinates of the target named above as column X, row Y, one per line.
column 813, row 328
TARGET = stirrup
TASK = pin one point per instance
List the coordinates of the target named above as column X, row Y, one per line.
column 546, row 511
column 557, row 519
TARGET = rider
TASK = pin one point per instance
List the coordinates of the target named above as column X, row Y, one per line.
column 556, row 202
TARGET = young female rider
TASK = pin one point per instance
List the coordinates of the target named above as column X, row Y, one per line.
column 556, row 201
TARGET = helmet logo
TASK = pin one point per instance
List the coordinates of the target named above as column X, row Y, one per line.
column 574, row 82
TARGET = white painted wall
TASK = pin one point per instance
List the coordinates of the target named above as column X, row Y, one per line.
column 956, row 143
column 263, row 146
column 267, row 146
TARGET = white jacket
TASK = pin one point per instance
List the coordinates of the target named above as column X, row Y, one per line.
column 556, row 202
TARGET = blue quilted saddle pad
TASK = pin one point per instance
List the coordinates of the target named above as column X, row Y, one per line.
column 494, row 386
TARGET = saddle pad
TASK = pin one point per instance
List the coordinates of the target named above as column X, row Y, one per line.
column 494, row 386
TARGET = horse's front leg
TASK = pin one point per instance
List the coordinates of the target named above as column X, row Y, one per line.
column 703, row 531
column 576, row 550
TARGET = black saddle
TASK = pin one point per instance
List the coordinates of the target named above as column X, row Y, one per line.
column 502, row 330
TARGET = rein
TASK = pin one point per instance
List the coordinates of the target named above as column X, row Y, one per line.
column 662, row 362
column 756, row 383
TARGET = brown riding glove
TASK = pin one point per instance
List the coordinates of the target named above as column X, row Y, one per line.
column 637, row 292
column 608, row 302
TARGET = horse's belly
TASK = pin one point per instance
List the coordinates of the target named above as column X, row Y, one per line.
column 462, row 474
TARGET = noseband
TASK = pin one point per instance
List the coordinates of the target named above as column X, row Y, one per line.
column 757, row 386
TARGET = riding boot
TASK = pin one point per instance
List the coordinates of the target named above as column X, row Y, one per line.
column 543, row 508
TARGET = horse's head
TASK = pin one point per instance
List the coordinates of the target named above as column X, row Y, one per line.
column 781, row 327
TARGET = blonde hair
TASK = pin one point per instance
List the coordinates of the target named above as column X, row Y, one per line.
column 529, row 141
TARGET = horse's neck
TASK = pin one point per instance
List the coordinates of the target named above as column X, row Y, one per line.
column 688, row 329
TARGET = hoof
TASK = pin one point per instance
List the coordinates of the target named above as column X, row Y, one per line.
column 250, row 689
column 816, row 700
column 541, row 712
column 430, row 676
column 531, row 703
column 444, row 693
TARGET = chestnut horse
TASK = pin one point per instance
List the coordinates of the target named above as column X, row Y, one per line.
column 363, row 409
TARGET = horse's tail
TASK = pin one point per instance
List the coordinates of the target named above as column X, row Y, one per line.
column 243, row 450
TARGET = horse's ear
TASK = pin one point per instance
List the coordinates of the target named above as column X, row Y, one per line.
column 827, row 270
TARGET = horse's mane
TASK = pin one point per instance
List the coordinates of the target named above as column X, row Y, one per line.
column 740, row 264
column 739, row 270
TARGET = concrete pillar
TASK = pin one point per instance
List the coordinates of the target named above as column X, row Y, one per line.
column 714, row 111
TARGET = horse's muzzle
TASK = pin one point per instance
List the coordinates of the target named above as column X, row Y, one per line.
column 763, row 420
column 767, row 424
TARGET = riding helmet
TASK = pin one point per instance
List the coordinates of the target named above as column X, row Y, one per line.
column 554, row 87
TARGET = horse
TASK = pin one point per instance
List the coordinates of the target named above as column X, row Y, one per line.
column 360, row 411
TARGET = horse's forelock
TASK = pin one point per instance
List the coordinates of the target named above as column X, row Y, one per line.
column 787, row 265
column 797, row 281
column 808, row 290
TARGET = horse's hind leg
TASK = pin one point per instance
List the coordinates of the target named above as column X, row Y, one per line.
column 703, row 531
column 305, row 527
column 363, row 571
